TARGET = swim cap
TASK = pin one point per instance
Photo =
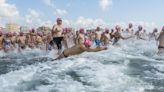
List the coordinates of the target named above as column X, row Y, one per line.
column 1, row 33
column 155, row 30
column 88, row 43
column 97, row 29
column 58, row 19
column 14, row 34
column 33, row 30
column 81, row 30
column 9, row 34
column 69, row 30
column 106, row 30
column 140, row 27
column 117, row 27
column 21, row 33
column 130, row 24
column 163, row 28
column 40, row 34
column 65, row 30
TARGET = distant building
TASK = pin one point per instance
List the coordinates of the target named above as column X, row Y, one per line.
column 44, row 29
column 12, row 27
column 24, row 29
column 2, row 29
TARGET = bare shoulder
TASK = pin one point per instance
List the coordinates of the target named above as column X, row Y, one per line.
column 82, row 46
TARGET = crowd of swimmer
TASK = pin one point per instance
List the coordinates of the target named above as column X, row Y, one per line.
column 59, row 37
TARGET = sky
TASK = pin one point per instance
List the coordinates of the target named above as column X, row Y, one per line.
column 82, row 13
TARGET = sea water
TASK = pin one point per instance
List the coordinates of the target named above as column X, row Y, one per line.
column 133, row 66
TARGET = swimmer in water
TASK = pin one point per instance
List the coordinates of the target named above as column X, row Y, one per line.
column 80, row 48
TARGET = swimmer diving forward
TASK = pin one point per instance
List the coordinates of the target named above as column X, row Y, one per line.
column 80, row 48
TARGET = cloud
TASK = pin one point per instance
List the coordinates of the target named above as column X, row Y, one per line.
column 34, row 19
column 47, row 23
column 82, row 22
column 60, row 12
column 8, row 10
column 32, row 16
column 104, row 4
column 49, row 3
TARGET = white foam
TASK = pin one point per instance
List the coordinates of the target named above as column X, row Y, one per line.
column 89, row 72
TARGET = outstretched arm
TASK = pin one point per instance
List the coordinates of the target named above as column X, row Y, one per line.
column 125, row 38
column 92, row 49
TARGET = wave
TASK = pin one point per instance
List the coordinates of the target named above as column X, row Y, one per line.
column 132, row 67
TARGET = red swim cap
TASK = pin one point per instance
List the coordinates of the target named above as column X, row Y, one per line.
column 33, row 30
column 21, row 33
column 88, row 42
column 58, row 19
column 163, row 28
column 106, row 30
column 14, row 34
column 81, row 31
column 1, row 33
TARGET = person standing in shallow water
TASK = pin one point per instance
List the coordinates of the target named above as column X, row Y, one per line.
column 161, row 42
column 57, row 31
column 118, row 36
column 98, row 35
column 130, row 30
column 81, row 36
column 1, row 40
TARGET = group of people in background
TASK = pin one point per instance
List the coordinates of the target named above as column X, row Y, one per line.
column 76, row 42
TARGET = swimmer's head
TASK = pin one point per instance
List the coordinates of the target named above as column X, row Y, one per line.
column 130, row 25
column 9, row 34
column 59, row 21
column 1, row 33
column 81, row 31
column 106, row 30
column 40, row 34
column 98, row 29
column 112, row 30
column 70, row 29
column 14, row 34
column 88, row 43
column 140, row 27
column 163, row 28
column 21, row 33
column 33, row 30
column 155, row 30
column 118, row 28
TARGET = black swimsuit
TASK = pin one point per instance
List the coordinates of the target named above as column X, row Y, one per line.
column 64, row 54
column 160, row 47
column 58, row 40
